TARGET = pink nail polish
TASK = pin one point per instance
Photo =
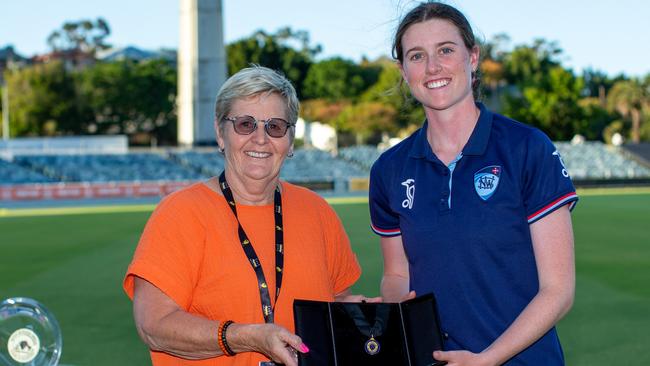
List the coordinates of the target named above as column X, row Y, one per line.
column 304, row 348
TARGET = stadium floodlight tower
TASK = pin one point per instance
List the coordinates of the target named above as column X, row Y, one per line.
column 201, row 69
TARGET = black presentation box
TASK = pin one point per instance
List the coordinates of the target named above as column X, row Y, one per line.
column 369, row 334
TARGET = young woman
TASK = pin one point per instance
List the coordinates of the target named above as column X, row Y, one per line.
column 473, row 207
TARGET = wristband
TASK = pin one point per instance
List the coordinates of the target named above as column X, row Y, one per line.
column 221, row 338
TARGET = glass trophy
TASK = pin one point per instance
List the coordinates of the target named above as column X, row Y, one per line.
column 29, row 334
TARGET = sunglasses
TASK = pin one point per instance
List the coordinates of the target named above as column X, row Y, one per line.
column 245, row 125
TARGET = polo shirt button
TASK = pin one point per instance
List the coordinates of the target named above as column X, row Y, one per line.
column 445, row 335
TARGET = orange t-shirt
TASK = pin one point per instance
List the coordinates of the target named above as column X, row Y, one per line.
column 190, row 250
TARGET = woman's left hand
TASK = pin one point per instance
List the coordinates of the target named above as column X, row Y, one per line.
column 462, row 358
column 346, row 296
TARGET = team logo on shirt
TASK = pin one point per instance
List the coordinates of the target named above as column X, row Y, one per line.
column 486, row 181
column 410, row 193
column 565, row 173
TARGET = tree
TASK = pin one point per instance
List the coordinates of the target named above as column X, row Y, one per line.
column 492, row 73
column 551, row 104
column 544, row 94
column 597, row 84
column 596, row 118
column 132, row 98
column 323, row 110
column 337, row 78
column 44, row 101
column 392, row 91
column 630, row 98
column 529, row 65
column 275, row 51
column 367, row 118
column 85, row 35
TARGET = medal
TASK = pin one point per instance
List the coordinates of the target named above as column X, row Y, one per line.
column 372, row 346
column 371, row 330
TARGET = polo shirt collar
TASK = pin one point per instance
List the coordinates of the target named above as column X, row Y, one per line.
column 421, row 148
column 478, row 141
column 476, row 145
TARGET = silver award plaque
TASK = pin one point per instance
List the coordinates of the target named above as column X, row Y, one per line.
column 29, row 334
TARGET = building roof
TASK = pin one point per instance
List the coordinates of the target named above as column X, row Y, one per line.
column 134, row 53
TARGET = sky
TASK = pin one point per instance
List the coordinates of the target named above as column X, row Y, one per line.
column 612, row 37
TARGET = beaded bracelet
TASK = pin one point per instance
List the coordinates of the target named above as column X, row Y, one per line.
column 219, row 332
column 221, row 338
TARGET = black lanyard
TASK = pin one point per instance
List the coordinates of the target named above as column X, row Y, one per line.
column 267, row 308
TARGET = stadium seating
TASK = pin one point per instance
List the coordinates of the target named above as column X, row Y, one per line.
column 584, row 161
column 639, row 152
column 595, row 160
column 306, row 165
column 207, row 161
column 313, row 164
column 107, row 168
column 363, row 155
column 15, row 174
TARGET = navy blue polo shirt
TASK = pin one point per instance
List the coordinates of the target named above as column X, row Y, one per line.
column 465, row 227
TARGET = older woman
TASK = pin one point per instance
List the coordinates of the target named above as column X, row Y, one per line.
column 219, row 263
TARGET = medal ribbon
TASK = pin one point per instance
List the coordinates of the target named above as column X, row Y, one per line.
column 362, row 323
column 267, row 308
column 382, row 311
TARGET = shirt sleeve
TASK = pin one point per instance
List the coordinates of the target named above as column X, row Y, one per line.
column 383, row 220
column 169, row 251
column 547, row 185
column 342, row 263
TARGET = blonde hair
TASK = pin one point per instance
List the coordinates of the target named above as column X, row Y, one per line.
column 252, row 81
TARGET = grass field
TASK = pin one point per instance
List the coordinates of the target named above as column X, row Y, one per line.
column 73, row 262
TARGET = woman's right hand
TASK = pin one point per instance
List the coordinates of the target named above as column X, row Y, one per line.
column 274, row 341
column 164, row 326
column 409, row 296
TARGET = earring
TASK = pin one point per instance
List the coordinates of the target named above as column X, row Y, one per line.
column 290, row 154
column 221, row 149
